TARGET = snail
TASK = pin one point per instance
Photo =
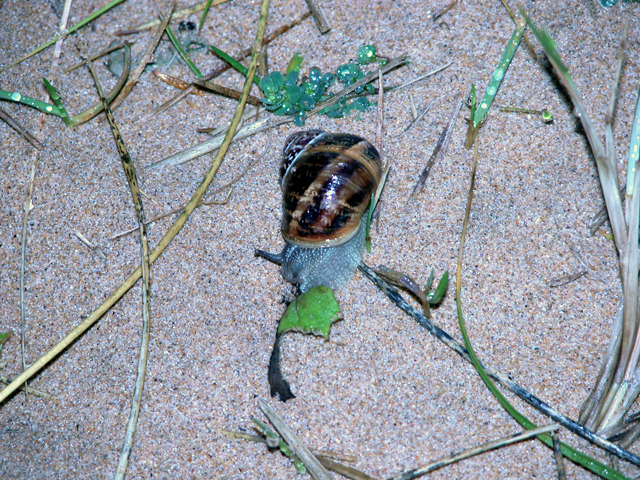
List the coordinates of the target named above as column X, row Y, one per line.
column 327, row 182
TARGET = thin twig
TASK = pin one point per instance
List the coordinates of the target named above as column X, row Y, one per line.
column 63, row 26
column 13, row 123
column 227, row 92
column 439, row 14
column 421, row 77
column 318, row 16
column 439, row 151
column 29, row 390
column 557, row 454
column 28, row 206
column 380, row 114
column 89, row 244
column 565, row 279
column 176, row 82
column 415, row 119
column 96, row 56
column 472, row 452
column 314, row 467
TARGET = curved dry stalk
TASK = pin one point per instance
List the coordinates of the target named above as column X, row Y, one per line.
column 126, row 285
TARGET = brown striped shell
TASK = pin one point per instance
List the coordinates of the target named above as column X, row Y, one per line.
column 327, row 181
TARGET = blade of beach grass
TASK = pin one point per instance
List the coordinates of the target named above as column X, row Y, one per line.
column 610, row 401
column 76, row 27
column 166, row 240
column 572, row 454
column 478, row 116
column 132, row 178
column 43, row 107
column 204, row 15
column 212, row 144
column 183, row 54
column 608, row 180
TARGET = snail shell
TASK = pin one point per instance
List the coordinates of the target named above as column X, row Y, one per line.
column 327, row 181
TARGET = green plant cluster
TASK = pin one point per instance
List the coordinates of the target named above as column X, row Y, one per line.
column 288, row 94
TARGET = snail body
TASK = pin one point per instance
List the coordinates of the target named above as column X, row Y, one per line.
column 327, row 181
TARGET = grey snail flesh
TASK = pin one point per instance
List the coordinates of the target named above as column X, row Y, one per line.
column 327, row 182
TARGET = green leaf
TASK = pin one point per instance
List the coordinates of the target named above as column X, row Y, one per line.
column 315, row 75
column 307, row 102
column 3, row 338
column 277, row 78
column 435, row 297
column 299, row 119
column 267, row 86
column 294, row 92
column 312, row 312
column 291, row 78
column 295, row 63
column 367, row 54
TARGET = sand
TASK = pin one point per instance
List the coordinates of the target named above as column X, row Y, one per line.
column 382, row 388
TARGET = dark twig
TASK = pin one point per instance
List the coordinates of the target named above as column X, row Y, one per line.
column 13, row 123
column 440, row 150
column 557, row 454
column 318, row 16
column 509, row 384
column 227, row 92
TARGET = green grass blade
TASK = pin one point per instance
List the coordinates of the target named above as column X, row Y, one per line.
column 204, row 15
column 54, row 93
column 182, row 53
column 295, row 63
column 77, row 26
column 32, row 102
column 569, row 452
column 234, row 63
column 498, row 74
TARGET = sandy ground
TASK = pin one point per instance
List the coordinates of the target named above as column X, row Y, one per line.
column 382, row 388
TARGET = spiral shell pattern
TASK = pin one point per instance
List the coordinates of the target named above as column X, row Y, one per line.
column 327, row 183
